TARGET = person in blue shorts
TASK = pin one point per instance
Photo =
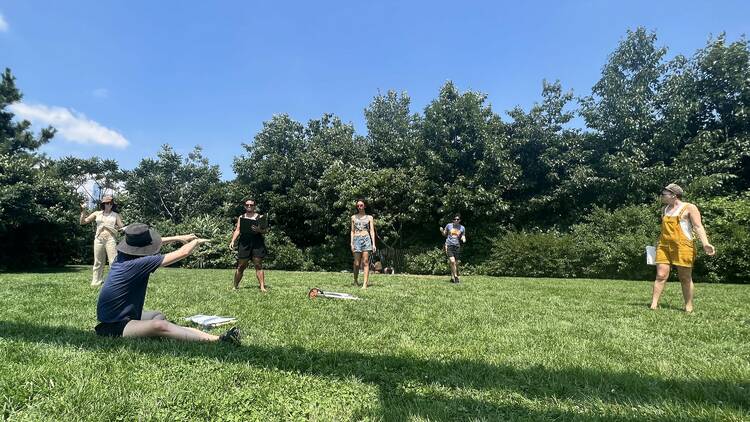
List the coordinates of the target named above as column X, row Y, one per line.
column 362, row 241
column 120, row 305
column 455, row 235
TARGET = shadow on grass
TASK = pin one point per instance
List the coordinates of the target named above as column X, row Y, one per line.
column 50, row 270
column 395, row 375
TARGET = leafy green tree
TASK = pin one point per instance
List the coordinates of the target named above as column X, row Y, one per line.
column 715, row 155
column 624, row 115
column 15, row 137
column 105, row 174
column 173, row 187
column 284, row 165
column 552, row 159
column 38, row 212
column 393, row 132
column 467, row 154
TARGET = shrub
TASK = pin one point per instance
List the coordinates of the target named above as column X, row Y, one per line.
column 611, row 244
column 284, row 255
column 430, row 261
column 215, row 254
column 537, row 254
column 727, row 222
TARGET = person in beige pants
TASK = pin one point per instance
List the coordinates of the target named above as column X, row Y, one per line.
column 105, row 240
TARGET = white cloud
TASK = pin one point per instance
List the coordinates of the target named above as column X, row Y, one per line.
column 3, row 24
column 70, row 124
column 100, row 93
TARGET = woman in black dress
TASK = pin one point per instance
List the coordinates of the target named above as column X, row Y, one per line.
column 251, row 244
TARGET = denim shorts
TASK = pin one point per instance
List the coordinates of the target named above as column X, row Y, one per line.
column 362, row 244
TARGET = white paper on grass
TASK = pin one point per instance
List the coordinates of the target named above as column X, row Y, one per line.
column 335, row 295
column 650, row 255
column 210, row 320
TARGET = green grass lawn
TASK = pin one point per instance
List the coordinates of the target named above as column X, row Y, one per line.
column 416, row 348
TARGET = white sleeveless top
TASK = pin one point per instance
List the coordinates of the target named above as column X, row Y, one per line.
column 685, row 224
column 106, row 225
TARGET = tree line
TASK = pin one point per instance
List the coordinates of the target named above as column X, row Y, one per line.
column 547, row 175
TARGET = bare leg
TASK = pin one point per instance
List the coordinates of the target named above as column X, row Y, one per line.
column 147, row 315
column 259, row 274
column 162, row 328
column 662, row 274
column 454, row 269
column 357, row 261
column 241, row 265
column 366, row 260
column 686, row 279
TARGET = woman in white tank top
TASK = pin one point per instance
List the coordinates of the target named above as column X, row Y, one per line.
column 362, row 239
column 108, row 223
column 676, row 247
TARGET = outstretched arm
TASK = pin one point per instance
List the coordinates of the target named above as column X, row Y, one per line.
column 183, row 252
column 185, row 238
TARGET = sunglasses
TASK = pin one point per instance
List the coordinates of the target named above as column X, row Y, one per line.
column 249, row 205
column 106, row 203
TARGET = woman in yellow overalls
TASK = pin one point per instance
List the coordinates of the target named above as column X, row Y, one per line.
column 676, row 246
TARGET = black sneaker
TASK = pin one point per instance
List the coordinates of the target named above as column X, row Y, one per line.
column 457, row 281
column 232, row 335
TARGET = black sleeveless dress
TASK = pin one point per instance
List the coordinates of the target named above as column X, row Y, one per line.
column 251, row 245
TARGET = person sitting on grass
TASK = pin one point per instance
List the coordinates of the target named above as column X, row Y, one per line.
column 120, row 305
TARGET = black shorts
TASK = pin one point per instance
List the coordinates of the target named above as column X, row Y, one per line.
column 248, row 251
column 111, row 329
column 453, row 251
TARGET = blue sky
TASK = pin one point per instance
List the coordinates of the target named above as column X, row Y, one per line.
column 124, row 77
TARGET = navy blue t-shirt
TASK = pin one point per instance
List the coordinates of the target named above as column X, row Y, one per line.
column 124, row 290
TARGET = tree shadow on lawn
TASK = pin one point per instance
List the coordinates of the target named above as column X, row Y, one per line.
column 48, row 270
column 395, row 375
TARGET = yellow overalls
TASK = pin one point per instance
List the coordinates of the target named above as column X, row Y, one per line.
column 674, row 248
